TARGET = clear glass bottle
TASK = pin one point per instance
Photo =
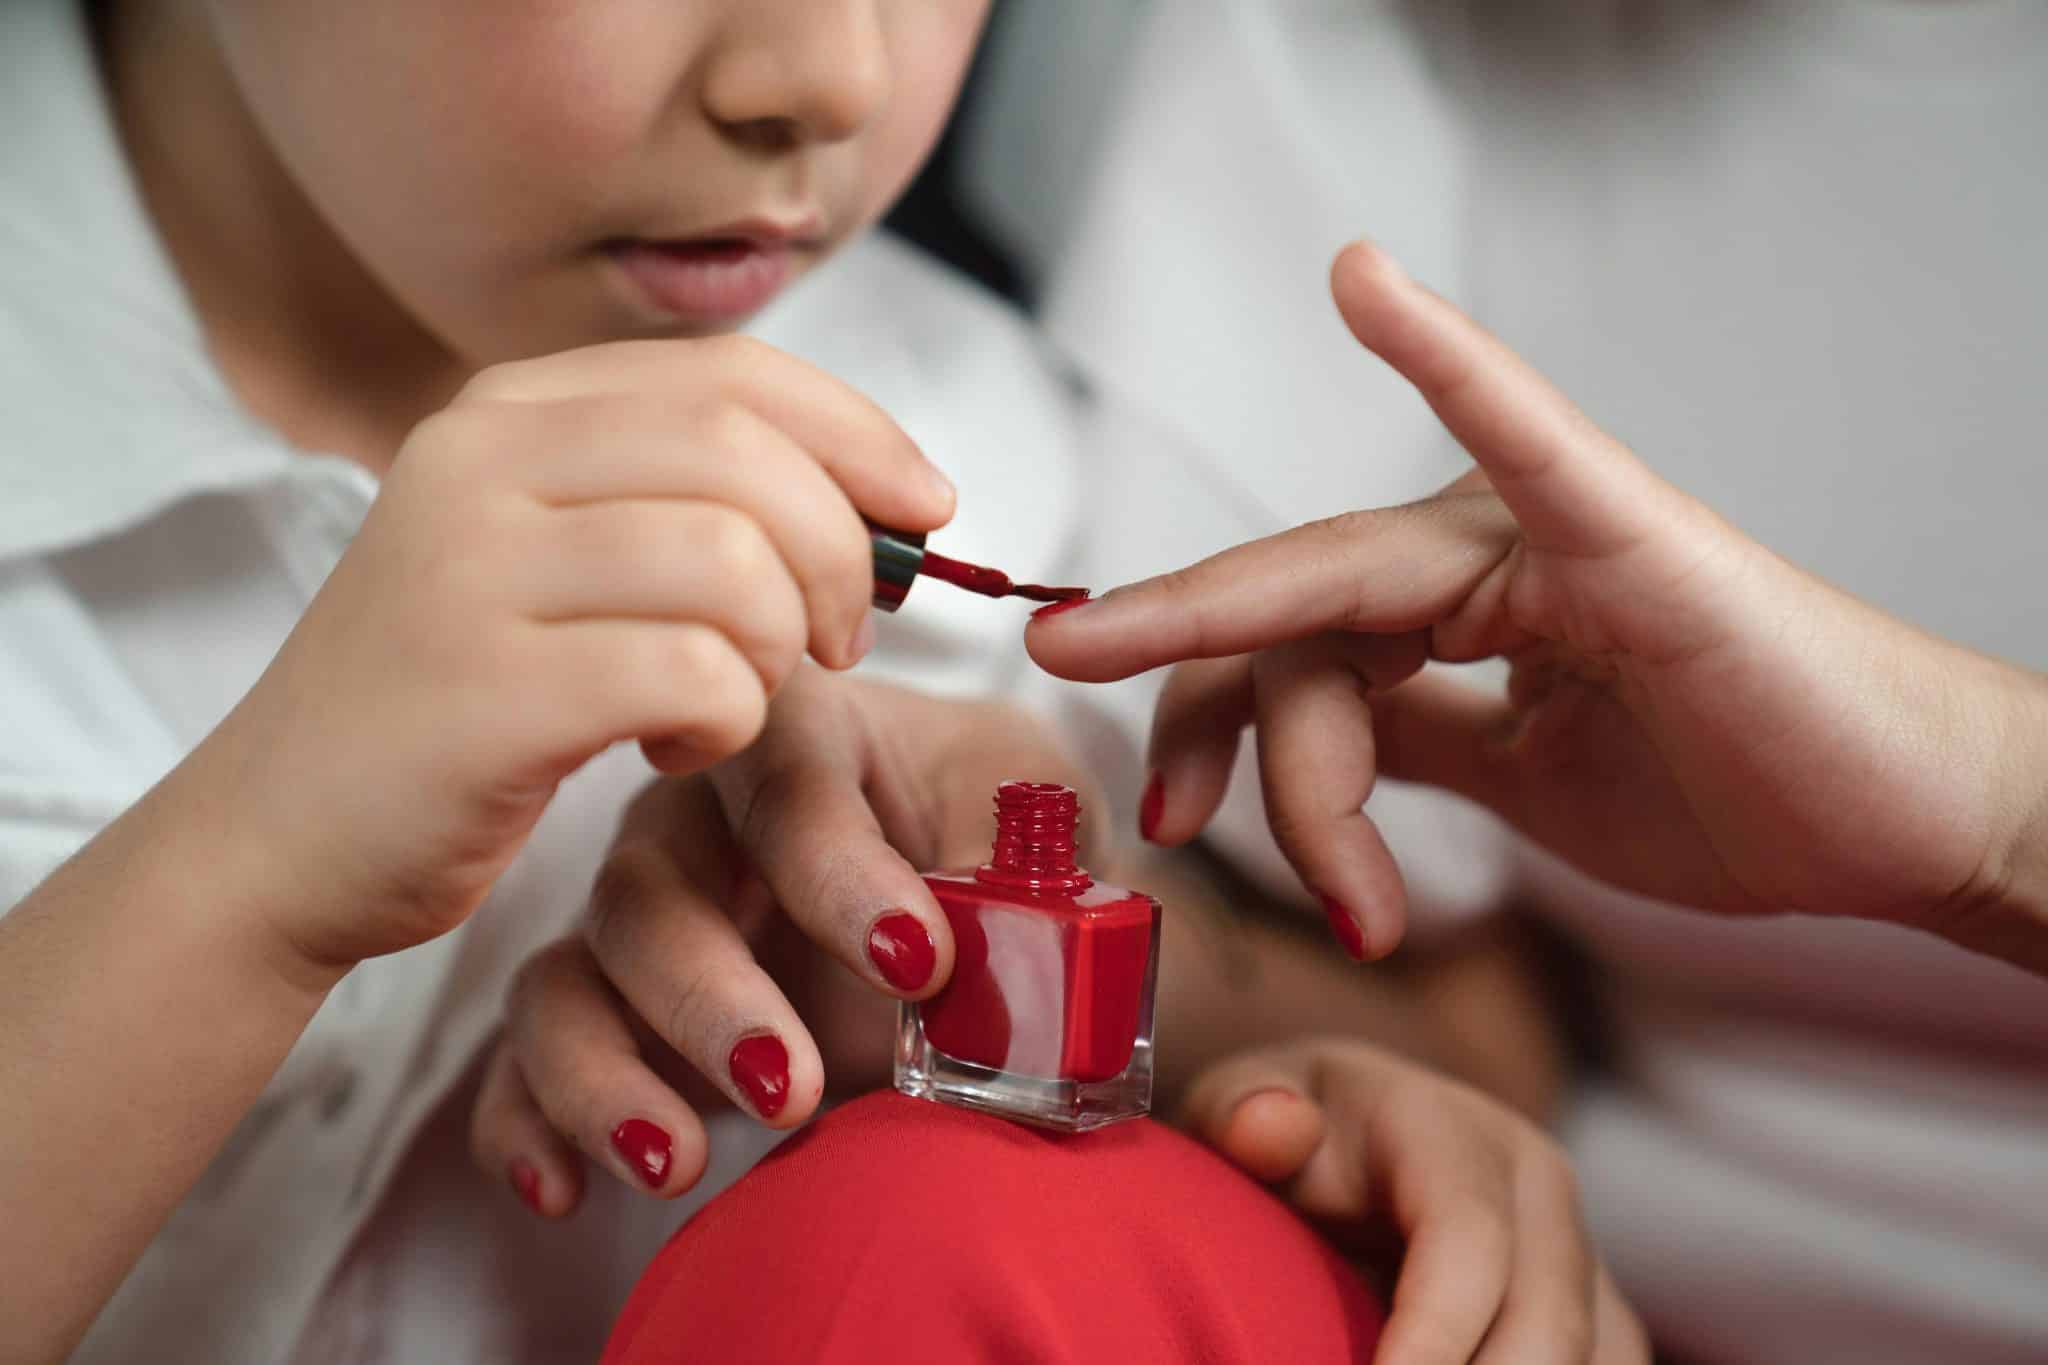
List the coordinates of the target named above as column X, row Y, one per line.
column 1048, row 1016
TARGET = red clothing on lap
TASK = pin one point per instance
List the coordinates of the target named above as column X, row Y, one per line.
column 897, row 1230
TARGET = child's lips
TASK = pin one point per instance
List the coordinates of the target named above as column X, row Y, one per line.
column 707, row 279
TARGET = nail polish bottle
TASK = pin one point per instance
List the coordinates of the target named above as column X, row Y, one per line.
column 1048, row 1016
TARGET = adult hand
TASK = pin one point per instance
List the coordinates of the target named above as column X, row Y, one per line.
column 748, row 932
column 1689, row 715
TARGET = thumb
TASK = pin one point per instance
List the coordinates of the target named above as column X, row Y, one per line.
column 1256, row 1109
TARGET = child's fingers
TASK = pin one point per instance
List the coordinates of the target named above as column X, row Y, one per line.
column 858, row 444
column 679, row 961
column 684, row 683
column 598, row 450
column 1390, row 571
column 798, row 811
column 672, row 560
column 1257, row 1110
column 1573, row 488
column 574, row 1048
column 1201, row 713
column 1317, row 767
column 511, row 1140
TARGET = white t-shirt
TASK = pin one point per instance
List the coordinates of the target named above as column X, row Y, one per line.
column 156, row 546
column 1793, row 251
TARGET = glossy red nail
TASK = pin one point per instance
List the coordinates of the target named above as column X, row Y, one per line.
column 1055, row 608
column 1150, row 807
column 1344, row 927
column 526, row 1181
column 901, row 948
column 760, row 1067
column 645, row 1148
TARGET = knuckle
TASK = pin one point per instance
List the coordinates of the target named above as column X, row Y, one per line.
column 621, row 891
column 1292, row 828
column 693, row 1019
column 727, row 427
column 1546, row 1163
column 504, row 381
column 737, row 545
column 1484, row 1224
column 781, row 648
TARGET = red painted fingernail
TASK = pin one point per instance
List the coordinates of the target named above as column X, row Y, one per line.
column 645, row 1148
column 760, row 1066
column 1150, row 807
column 1344, row 927
column 901, row 948
column 526, row 1180
column 1055, row 608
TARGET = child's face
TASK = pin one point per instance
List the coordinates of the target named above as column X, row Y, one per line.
column 529, row 175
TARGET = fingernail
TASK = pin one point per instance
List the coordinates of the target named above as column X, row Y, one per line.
column 1055, row 608
column 526, row 1181
column 941, row 486
column 1267, row 1091
column 645, row 1148
column 901, row 948
column 760, row 1066
column 1344, row 927
column 1151, row 806
column 863, row 638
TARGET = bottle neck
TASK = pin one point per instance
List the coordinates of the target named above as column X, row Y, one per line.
column 1034, row 851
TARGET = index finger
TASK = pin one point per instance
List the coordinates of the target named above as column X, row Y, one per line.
column 882, row 471
column 1387, row 572
column 1573, row 488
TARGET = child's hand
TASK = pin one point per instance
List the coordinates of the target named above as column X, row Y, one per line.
column 1498, row 1265
column 688, row 984
column 1690, row 716
column 636, row 541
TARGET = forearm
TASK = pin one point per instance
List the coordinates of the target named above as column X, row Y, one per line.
column 142, row 1010
column 1237, row 972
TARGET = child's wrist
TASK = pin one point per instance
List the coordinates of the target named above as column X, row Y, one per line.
column 197, row 822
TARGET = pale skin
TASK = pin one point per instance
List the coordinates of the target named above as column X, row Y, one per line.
column 1689, row 715
column 625, row 542
column 597, row 523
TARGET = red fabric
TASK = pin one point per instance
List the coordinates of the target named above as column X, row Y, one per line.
column 896, row 1230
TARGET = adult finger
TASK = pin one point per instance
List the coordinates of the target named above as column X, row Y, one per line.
column 660, row 931
column 1619, row 1335
column 1316, row 767
column 1572, row 488
column 797, row 806
column 1548, row 1318
column 1389, row 571
column 1196, row 725
column 567, row 1031
column 510, row 1139
column 1258, row 1110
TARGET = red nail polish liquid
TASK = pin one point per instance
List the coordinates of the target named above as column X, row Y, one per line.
column 1048, row 1016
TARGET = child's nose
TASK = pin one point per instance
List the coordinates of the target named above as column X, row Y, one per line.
column 791, row 71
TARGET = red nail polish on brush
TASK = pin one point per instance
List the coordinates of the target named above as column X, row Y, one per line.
column 900, row 557
column 1048, row 1015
